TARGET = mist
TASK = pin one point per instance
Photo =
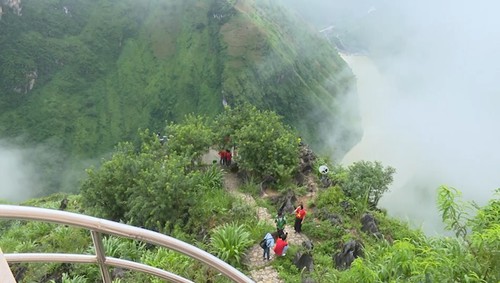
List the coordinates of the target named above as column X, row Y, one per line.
column 428, row 96
column 32, row 171
column 18, row 178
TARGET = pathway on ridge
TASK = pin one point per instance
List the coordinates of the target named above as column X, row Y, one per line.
column 261, row 271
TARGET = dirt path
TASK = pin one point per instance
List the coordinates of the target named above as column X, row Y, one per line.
column 261, row 271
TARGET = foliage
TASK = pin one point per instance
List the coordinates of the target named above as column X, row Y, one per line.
column 266, row 147
column 330, row 199
column 485, row 229
column 74, row 279
column 106, row 190
column 481, row 232
column 229, row 242
column 367, row 181
column 454, row 211
column 150, row 189
column 322, row 230
column 251, row 188
column 167, row 259
column 191, row 138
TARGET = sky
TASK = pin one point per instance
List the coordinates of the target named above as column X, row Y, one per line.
column 429, row 96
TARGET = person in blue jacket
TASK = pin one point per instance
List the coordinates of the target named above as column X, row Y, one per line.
column 269, row 241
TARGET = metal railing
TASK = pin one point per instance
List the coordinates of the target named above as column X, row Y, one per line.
column 98, row 227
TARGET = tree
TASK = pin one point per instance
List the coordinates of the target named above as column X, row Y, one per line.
column 231, row 121
column 105, row 191
column 191, row 139
column 368, row 180
column 266, row 147
column 147, row 187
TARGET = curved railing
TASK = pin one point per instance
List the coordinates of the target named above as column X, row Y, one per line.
column 98, row 227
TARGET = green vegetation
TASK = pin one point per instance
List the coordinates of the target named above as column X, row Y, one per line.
column 230, row 242
column 152, row 185
column 367, row 180
column 103, row 69
column 268, row 148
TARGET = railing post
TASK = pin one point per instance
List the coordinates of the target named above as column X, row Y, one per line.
column 101, row 256
column 97, row 227
column 5, row 273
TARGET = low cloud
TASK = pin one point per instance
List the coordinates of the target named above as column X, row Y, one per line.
column 429, row 96
column 18, row 178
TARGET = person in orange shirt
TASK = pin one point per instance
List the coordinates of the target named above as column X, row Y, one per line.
column 281, row 245
column 300, row 214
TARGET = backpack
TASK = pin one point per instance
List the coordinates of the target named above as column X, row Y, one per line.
column 263, row 243
column 280, row 222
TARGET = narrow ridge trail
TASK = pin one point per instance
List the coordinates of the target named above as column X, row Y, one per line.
column 261, row 271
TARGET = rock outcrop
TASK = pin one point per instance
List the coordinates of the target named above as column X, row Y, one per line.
column 351, row 250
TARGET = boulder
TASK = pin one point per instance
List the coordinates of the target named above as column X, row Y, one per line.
column 350, row 251
column 369, row 225
column 286, row 202
column 333, row 218
column 308, row 245
column 304, row 261
column 306, row 159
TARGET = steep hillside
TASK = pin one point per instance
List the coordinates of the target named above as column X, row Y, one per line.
column 82, row 75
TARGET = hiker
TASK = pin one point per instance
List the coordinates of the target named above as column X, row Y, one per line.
column 281, row 245
column 228, row 157
column 300, row 214
column 267, row 243
column 280, row 223
column 222, row 154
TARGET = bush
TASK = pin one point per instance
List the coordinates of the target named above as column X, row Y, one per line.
column 367, row 181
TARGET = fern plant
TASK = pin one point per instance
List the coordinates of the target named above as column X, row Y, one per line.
column 229, row 242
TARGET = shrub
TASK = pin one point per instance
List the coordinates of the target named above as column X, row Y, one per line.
column 368, row 181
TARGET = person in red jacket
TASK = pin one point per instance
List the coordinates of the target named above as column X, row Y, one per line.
column 300, row 214
column 229, row 156
column 281, row 245
column 223, row 158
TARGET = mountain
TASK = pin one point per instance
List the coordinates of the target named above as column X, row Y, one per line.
column 80, row 76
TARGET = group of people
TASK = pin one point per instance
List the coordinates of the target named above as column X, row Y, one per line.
column 225, row 157
column 277, row 240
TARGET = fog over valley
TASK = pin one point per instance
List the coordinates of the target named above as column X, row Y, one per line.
column 428, row 96
column 18, row 177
